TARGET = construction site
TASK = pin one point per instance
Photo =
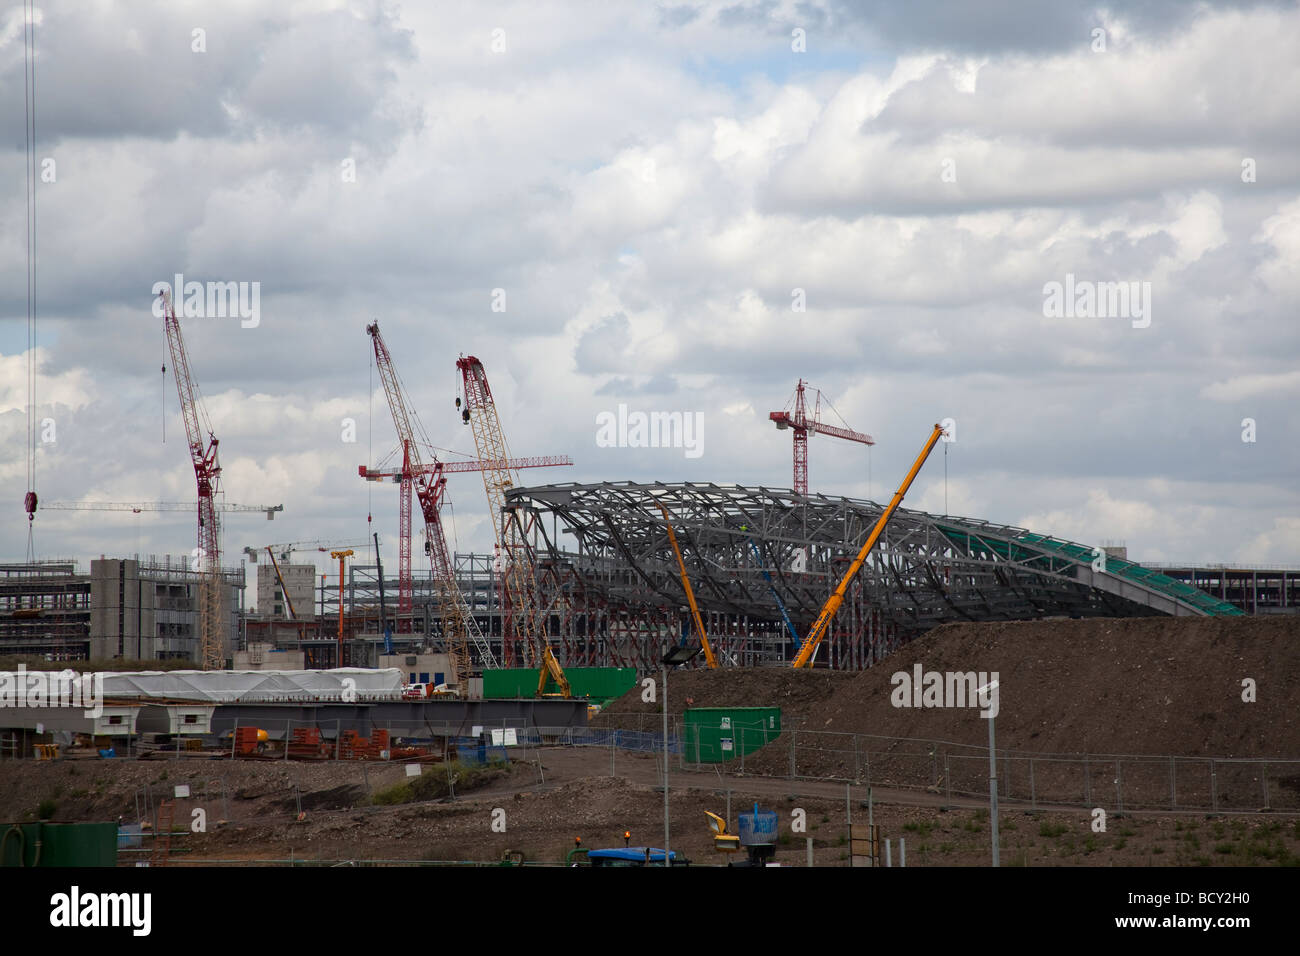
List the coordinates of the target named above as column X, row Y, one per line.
column 641, row 674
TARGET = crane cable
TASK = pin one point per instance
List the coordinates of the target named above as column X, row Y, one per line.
column 29, row 132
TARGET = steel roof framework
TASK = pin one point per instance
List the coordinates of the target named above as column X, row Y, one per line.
column 617, row 600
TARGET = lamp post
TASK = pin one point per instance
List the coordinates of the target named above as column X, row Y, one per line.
column 674, row 658
column 981, row 693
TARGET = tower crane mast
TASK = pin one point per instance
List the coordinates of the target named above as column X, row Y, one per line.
column 804, row 426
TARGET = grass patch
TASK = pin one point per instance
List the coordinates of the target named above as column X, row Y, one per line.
column 434, row 784
column 1052, row 830
column 46, row 809
column 921, row 827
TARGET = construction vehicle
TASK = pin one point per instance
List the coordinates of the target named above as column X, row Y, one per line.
column 622, row 855
column 519, row 563
column 804, row 426
column 686, row 586
column 459, row 627
column 823, row 622
column 767, row 576
column 207, row 475
column 757, row 837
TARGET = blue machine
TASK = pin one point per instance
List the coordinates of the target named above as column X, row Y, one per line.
column 632, row 856
column 758, row 556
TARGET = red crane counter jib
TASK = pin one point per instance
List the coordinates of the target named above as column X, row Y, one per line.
column 804, row 426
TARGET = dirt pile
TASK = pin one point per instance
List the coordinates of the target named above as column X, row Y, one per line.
column 1138, row 685
column 798, row 693
column 1149, row 686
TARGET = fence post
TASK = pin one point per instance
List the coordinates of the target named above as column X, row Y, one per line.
column 1173, row 784
column 1214, row 788
column 794, row 738
column 1033, row 793
column 288, row 729
column 857, row 765
column 1263, row 779
column 1087, row 782
column 1119, row 784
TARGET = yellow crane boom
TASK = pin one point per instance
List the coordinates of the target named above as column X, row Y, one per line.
column 686, row 586
column 823, row 622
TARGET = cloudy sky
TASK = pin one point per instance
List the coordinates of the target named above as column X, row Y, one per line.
column 628, row 203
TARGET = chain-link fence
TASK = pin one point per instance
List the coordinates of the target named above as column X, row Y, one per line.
column 1119, row 781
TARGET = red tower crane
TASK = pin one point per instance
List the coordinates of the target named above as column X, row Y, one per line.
column 804, row 428
column 207, row 474
column 429, row 484
column 405, row 585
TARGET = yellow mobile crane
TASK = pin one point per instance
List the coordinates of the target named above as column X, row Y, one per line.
column 686, row 586
column 823, row 622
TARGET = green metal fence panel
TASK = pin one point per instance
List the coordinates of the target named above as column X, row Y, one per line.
column 717, row 734
column 601, row 684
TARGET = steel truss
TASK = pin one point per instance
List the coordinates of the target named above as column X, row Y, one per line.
column 618, row 599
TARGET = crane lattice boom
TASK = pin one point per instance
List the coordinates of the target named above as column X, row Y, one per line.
column 518, row 561
column 207, row 475
column 428, row 484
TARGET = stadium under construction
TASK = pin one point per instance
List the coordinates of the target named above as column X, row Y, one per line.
column 609, row 585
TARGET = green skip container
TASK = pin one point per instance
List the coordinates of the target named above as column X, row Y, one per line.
column 718, row 734
column 61, row 844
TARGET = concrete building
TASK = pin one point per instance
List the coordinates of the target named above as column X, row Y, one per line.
column 125, row 608
column 45, row 610
column 299, row 580
column 149, row 611
column 421, row 668
column 267, row 657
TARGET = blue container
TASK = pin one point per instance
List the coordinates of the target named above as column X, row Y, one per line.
column 130, row 836
column 758, row 828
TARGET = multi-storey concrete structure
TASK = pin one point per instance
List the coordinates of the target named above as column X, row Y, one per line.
column 123, row 609
column 299, row 581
